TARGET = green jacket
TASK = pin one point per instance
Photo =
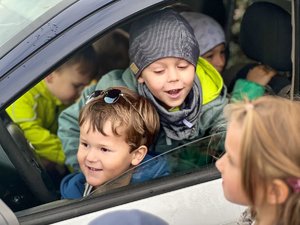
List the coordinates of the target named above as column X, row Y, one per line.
column 211, row 118
column 37, row 112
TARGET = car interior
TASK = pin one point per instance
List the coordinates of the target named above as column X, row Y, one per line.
column 25, row 181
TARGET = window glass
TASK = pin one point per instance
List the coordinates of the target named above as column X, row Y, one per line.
column 21, row 17
column 193, row 156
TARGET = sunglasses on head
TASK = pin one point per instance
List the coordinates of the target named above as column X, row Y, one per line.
column 111, row 96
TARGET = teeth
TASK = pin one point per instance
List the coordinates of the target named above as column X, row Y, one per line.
column 174, row 91
column 93, row 169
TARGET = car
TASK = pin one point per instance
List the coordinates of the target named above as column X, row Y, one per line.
column 36, row 37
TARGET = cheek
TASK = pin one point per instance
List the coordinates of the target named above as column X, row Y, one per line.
column 81, row 155
column 188, row 76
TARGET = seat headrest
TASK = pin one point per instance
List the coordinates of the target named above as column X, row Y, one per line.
column 266, row 35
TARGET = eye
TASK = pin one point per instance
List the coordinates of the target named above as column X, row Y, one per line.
column 208, row 56
column 105, row 150
column 83, row 144
column 159, row 71
column 230, row 159
column 183, row 66
column 77, row 86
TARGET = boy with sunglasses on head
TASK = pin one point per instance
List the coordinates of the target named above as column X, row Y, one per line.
column 186, row 90
column 116, row 128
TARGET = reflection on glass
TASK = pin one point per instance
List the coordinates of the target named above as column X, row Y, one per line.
column 194, row 155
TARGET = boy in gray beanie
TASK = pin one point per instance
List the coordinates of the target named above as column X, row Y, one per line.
column 165, row 67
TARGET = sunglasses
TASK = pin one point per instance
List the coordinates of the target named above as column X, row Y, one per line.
column 111, row 96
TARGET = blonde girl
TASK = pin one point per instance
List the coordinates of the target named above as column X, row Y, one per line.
column 261, row 166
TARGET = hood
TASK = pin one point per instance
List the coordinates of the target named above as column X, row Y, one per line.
column 210, row 79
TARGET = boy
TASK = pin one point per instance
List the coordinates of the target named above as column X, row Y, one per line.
column 187, row 91
column 116, row 128
column 37, row 110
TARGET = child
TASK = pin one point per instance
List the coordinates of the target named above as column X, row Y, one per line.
column 112, row 51
column 37, row 110
column 211, row 38
column 128, row 217
column 261, row 166
column 186, row 90
column 116, row 128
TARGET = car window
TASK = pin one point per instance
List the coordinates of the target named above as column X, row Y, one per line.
column 26, row 18
column 193, row 156
column 20, row 18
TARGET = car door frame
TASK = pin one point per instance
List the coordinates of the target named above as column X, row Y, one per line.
column 62, row 211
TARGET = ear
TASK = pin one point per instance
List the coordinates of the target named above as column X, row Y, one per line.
column 138, row 155
column 141, row 79
column 49, row 78
column 278, row 192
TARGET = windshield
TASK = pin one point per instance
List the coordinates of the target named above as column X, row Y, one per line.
column 18, row 18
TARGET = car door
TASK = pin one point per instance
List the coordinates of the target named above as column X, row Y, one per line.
column 192, row 196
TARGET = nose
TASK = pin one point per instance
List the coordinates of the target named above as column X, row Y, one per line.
column 219, row 164
column 173, row 75
column 92, row 155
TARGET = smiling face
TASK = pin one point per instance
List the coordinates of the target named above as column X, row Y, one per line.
column 230, row 166
column 169, row 80
column 103, row 157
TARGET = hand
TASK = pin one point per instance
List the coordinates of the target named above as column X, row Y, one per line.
column 261, row 74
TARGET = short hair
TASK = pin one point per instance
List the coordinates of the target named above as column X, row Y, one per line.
column 86, row 59
column 112, row 51
column 269, row 147
column 140, row 127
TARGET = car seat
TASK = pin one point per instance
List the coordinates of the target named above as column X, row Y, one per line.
column 266, row 37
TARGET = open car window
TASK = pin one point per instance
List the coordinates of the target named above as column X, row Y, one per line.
column 193, row 156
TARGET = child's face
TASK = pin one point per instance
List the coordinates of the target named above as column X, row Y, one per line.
column 68, row 83
column 216, row 57
column 102, row 158
column 230, row 166
column 169, row 80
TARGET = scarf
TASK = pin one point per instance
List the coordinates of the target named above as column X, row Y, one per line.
column 181, row 124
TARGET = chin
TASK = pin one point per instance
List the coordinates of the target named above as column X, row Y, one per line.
column 94, row 182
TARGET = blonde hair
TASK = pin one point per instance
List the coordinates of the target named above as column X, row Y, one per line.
column 269, row 148
column 140, row 127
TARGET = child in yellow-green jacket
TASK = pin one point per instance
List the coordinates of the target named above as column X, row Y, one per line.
column 37, row 110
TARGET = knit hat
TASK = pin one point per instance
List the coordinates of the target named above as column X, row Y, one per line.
column 128, row 217
column 208, row 32
column 159, row 35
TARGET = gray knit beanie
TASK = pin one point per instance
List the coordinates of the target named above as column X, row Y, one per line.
column 208, row 31
column 162, row 34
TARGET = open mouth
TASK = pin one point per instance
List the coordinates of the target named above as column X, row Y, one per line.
column 93, row 169
column 174, row 92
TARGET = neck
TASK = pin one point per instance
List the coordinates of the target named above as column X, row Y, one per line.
column 266, row 215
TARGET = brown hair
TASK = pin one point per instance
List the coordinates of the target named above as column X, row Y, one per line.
column 140, row 127
column 87, row 61
column 112, row 51
column 269, row 148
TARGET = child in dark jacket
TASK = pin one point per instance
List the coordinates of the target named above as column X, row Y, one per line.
column 116, row 128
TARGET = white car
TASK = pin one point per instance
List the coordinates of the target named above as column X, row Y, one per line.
column 38, row 35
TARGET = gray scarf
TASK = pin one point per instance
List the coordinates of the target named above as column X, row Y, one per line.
column 182, row 124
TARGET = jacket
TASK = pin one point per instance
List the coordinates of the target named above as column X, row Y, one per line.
column 36, row 112
column 73, row 185
column 210, row 120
